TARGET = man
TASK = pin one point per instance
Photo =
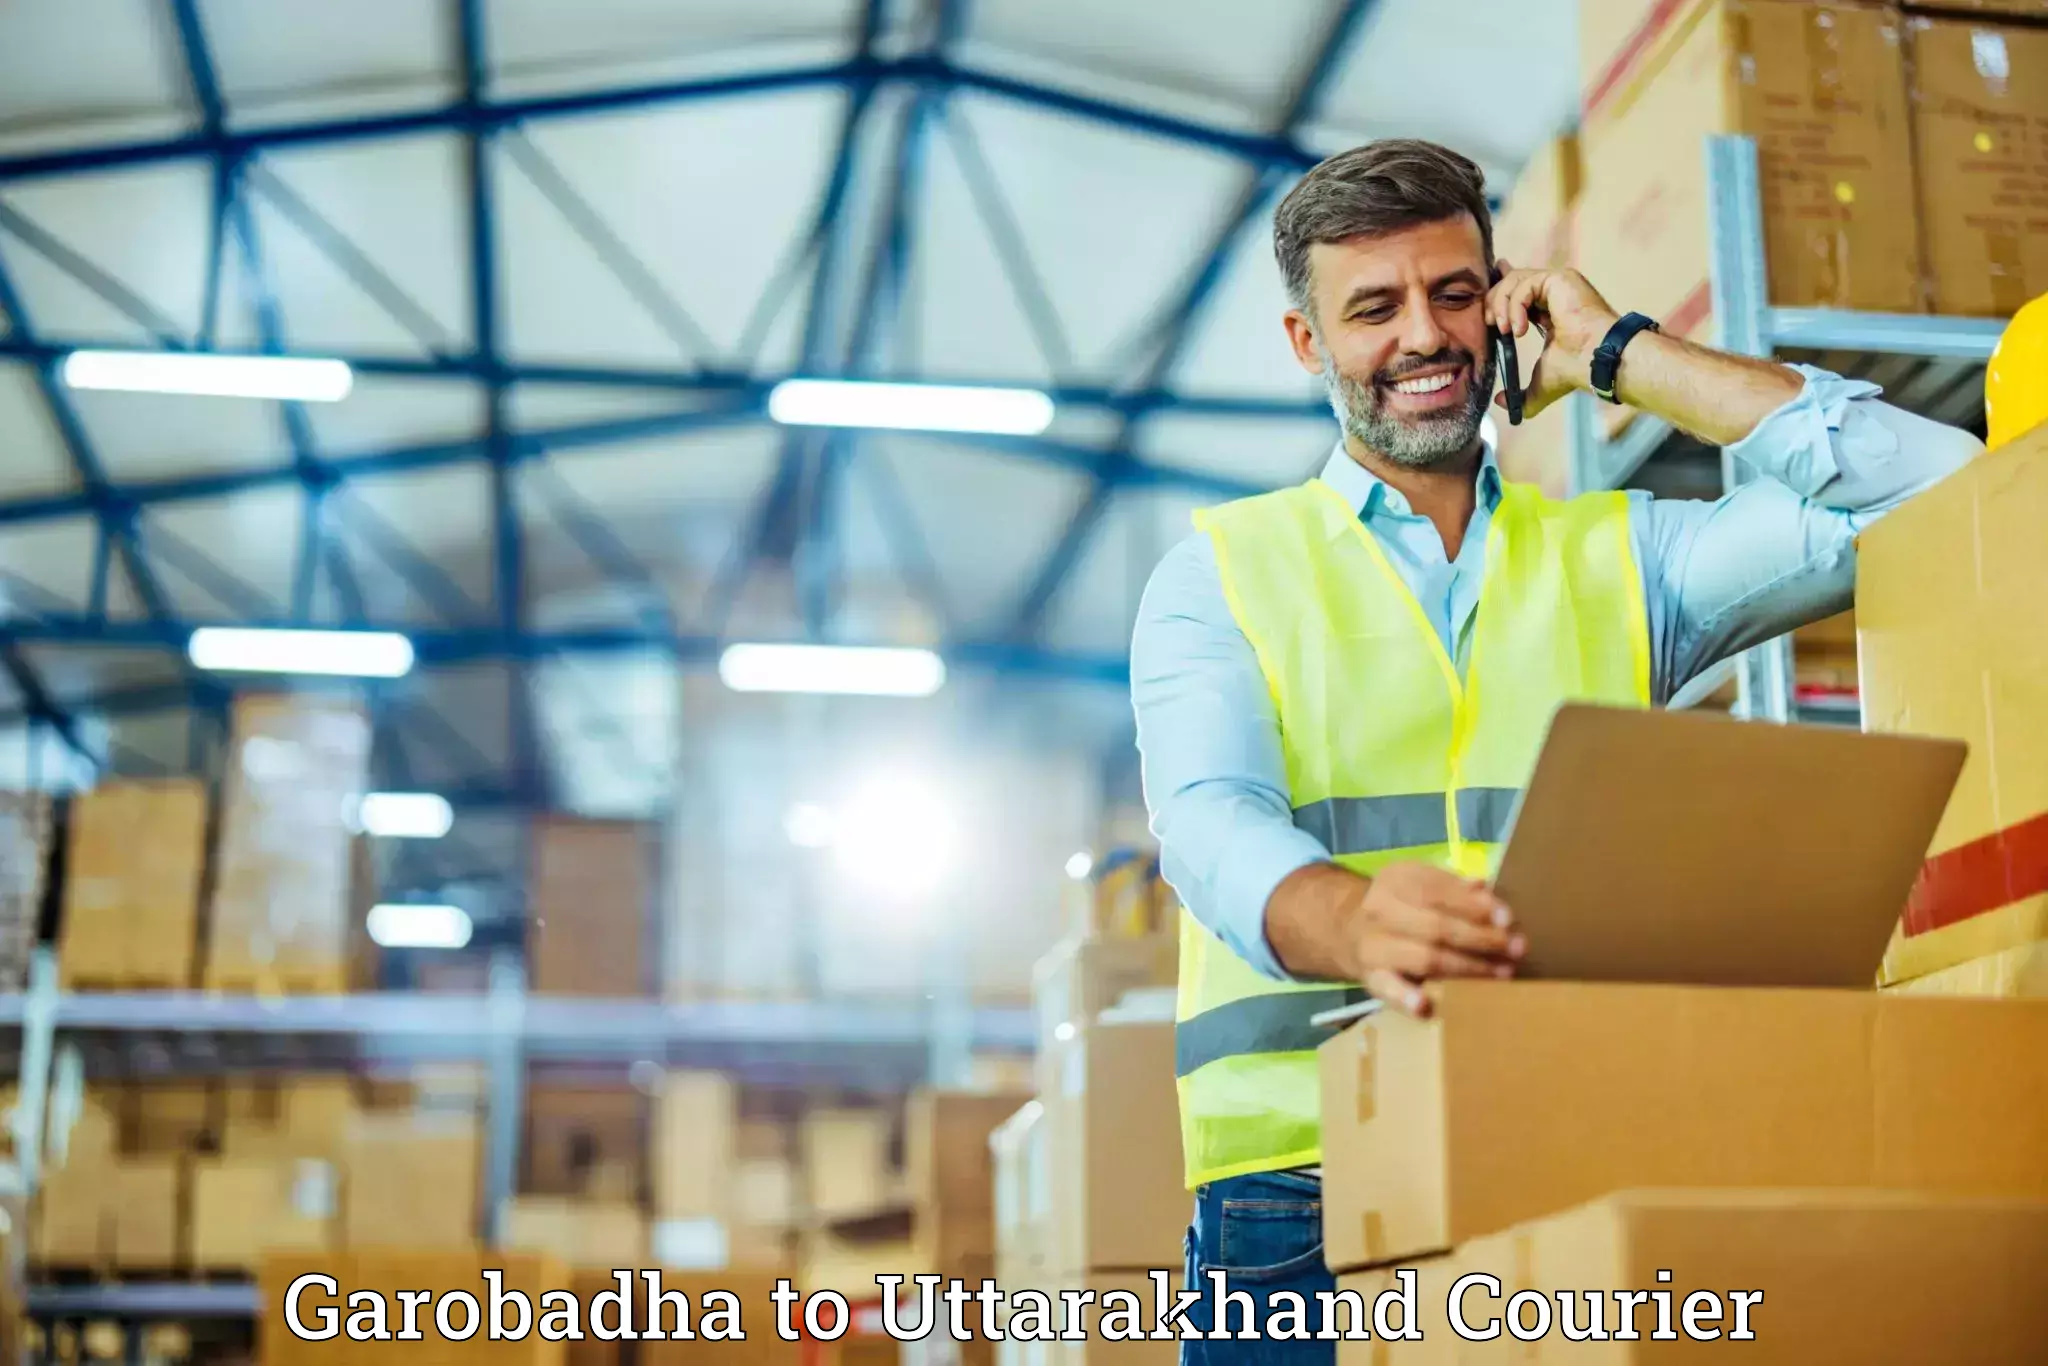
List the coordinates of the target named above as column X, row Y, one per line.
column 1339, row 686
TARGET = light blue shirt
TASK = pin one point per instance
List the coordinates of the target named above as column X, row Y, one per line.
column 1718, row 577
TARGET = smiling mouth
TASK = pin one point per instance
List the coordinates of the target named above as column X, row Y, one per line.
column 1423, row 386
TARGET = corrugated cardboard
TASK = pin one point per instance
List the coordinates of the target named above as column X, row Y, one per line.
column 1822, row 89
column 590, row 899
column 170, row 1118
column 846, row 1160
column 1828, row 1264
column 414, row 1181
column 136, row 852
column 1080, row 978
column 583, row 1233
column 1023, row 1201
column 1112, row 1132
column 305, row 1116
column 71, row 1224
column 280, row 918
column 695, row 1118
column 1518, row 1098
column 575, row 1134
column 146, row 1211
column 243, row 1208
column 1980, row 101
column 1941, row 584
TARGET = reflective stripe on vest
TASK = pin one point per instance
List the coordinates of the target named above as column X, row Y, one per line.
column 1408, row 820
column 1392, row 752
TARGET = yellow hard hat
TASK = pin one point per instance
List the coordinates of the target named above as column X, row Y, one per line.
column 2016, row 383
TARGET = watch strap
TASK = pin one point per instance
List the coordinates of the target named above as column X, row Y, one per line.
column 1607, row 356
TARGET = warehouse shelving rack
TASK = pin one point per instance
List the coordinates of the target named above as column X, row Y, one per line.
column 180, row 1033
column 1927, row 363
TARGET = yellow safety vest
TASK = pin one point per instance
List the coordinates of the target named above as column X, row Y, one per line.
column 1390, row 755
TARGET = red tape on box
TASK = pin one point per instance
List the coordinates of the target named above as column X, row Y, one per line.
column 2003, row 867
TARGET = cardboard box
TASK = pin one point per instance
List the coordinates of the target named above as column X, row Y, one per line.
column 1980, row 101
column 71, row 1227
column 1826, row 1264
column 243, row 1208
column 1822, row 89
column 1989, row 9
column 289, row 1117
column 136, row 853
column 170, row 1118
column 414, row 1181
column 26, row 834
column 580, row 1138
column 1078, row 979
column 1112, row 1130
column 696, row 1115
column 1536, row 227
column 946, row 1147
column 1940, row 583
column 1021, row 1179
column 830, row 1261
column 583, row 1233
column 757, row 1314
column 146, row 1212
column 281, row 914
column 847, row 1162
column 1608, row 1086
column 590, row 899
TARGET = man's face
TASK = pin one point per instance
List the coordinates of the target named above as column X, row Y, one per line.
column 1398, row 332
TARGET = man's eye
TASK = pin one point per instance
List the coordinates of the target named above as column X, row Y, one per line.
column 1373, row 315
column 1456, row 298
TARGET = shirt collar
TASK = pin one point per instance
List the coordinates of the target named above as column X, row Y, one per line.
column 1368, row 493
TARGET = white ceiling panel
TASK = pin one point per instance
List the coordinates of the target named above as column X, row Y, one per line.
column 540, row 46
column 1067, row 177
column 42, row 563
column 96, row 217
column 86, row 69
column 281, row 60
column 32, row 455
column 441, row 516
column 252, row 537
column 164, row 436
column 1237, row 344
column 383, row 411
column 402, row 205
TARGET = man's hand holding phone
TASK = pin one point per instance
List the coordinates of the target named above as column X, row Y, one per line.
column 1566, row 311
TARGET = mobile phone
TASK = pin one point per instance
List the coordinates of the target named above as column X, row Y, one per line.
column 1509, row 366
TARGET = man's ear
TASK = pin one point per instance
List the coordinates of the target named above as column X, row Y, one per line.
column 1301, row 335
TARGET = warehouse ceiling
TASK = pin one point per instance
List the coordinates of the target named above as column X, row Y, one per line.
column 568, row 247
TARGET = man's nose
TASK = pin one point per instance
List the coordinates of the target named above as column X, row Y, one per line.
column 1424, row 335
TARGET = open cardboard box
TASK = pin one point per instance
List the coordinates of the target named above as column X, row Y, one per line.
column 1699, row 1011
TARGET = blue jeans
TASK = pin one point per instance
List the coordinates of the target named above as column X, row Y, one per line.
column 1266, row 1230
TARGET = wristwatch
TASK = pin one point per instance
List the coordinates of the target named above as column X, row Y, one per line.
column 1607, row 357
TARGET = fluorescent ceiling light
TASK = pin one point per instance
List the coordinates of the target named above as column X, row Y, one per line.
column 909, row 407
column 189, row 372
column 1080, row 865
column 876, row 671
column 405, row 815
column 407, row 925
column 351, row 654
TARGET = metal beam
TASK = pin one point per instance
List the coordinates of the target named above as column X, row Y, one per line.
column 1177, row 327
column 468, row 645
column 470, row 115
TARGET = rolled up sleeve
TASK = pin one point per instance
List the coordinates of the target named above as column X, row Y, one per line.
column 1209, row 741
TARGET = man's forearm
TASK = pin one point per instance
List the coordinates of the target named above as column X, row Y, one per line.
column 1307, row 919
column 1715, row 396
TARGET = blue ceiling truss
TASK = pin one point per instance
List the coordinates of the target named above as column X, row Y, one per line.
column 856, row 257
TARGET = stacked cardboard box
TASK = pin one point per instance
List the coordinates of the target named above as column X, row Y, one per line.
column 1535, row 228
column 589, row 907
column 25, row 839
column 1980, row 101
column 952, row 1179
column 1083, row 976
column 587, row 1140
column 1826, row 1263
column 1822, row 89
column 849, row 1166
column 766, row 1200
column 1807, row 1111
column 386, row 1272
column 695, row 1170
column 1022, row 1197
column 1946, row 587
column 281, row 918
column 135, row 857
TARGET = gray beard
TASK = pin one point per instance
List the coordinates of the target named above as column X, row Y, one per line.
column 1429, row 443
